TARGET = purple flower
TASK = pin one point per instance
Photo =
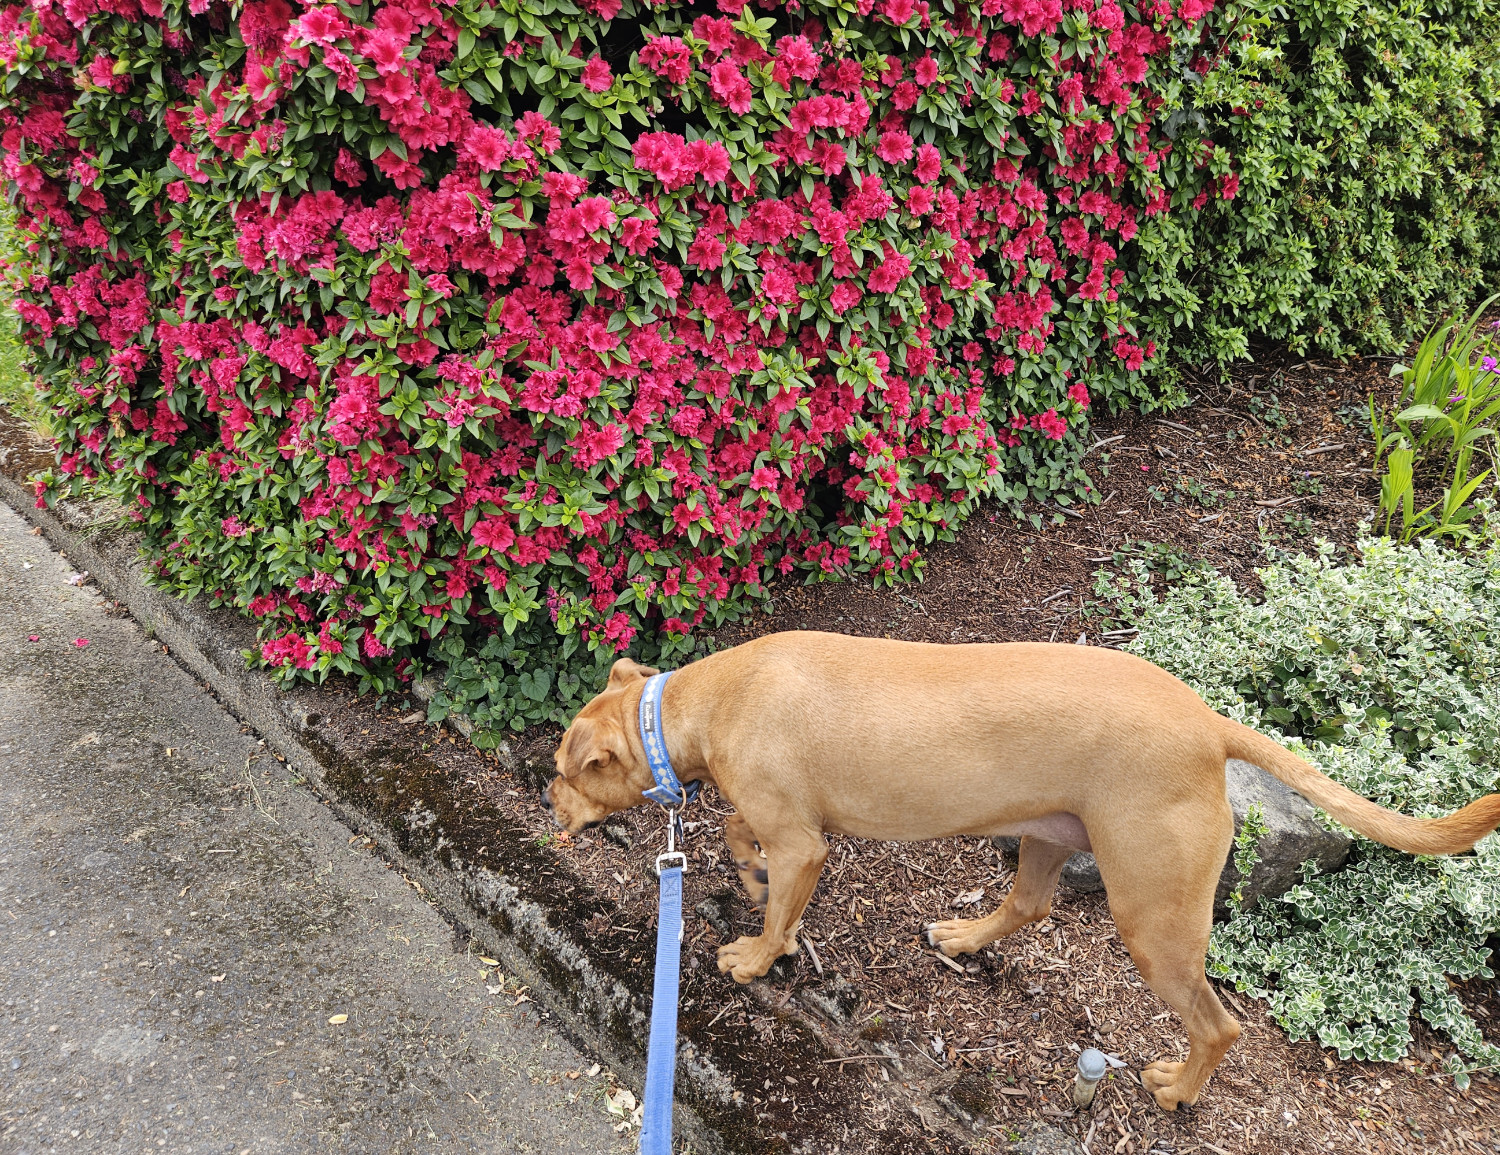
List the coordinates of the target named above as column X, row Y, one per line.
column 1488, row 364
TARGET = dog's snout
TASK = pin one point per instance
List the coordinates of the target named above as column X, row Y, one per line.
column 547, row 797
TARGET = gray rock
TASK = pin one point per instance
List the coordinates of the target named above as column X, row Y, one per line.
column 713, row 912
column 837, row 1000
column 619, row 834
column 1042, row 1139
column 1295, row 836
column 1080, row 873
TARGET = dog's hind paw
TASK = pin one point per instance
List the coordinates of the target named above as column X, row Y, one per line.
column 953, row 937
column 1163, row 1080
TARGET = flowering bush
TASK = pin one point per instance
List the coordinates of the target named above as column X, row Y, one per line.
column 570, row 323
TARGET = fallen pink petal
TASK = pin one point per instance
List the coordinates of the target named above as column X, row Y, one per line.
column 80, row 642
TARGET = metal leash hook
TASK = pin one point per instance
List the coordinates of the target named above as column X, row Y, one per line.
column 674, row 828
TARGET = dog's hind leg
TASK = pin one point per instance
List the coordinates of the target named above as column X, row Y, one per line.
column 748, row 859
column 1162, row 900
column 794, row 860
column 1029, row 900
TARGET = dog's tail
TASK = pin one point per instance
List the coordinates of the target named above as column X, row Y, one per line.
column 1453, row 834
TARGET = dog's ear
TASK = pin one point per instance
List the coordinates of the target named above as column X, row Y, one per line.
column 589, row 744
column 625, row 671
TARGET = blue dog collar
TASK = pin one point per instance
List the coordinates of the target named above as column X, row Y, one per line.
column 668, row 790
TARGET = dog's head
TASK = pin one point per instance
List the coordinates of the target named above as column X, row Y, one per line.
column 597, row 774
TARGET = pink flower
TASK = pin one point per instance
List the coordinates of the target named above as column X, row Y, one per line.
column 889, row 274
column 894, row 147
column 638, row 234
column 1034, row 16
column 386, row 51
column 728, row 83
column 618, row 630
column 489, row 147
column 706, row 251
column 845, row 296
column 929, row 163
column 536, row 129
column 562, row 188
column 596, row 213
column 1078, row 393
column 710, row 158
column 493, row 533
column 347, row 169
column 80, row 642
column 795, row 57
column 323, row 26
column 663, row 154
column 926, row 71
column 1050, row 424
column 597, row 76
column 779, row 286
column 593, row 444
column 668, row 57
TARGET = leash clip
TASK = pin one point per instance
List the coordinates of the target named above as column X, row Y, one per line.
column 674, row 827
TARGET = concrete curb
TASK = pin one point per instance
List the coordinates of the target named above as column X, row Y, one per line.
column 598, row 1010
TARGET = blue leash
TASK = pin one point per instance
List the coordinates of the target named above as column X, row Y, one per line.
column 661, row 1051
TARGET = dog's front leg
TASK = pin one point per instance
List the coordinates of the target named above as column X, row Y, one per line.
column 748, row 859
column 793, row 863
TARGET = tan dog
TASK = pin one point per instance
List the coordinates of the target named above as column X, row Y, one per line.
column 1072, row 747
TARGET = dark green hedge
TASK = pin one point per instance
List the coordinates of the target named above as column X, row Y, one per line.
column 1366, row 139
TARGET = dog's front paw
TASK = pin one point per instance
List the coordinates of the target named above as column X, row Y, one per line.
column 745, row 958
column 1163, row 1080
column 954, row 937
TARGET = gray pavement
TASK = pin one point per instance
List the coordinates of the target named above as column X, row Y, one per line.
column 179, row 921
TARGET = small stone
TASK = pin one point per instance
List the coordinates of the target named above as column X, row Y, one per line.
column 712, row 912
column 619, row 834
column 1042, row 1139
column 837, row 1000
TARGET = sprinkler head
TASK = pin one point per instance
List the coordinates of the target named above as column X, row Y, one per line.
column 1092, row 1066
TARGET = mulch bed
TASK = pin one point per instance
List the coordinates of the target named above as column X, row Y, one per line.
column 1281, row 454
column 1289, row 439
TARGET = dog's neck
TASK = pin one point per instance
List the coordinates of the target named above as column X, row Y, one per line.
column 683, row 732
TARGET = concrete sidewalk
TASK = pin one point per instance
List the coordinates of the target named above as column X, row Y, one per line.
column 179, row 921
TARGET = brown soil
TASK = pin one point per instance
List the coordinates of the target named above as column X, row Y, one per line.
column 998, row 1037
